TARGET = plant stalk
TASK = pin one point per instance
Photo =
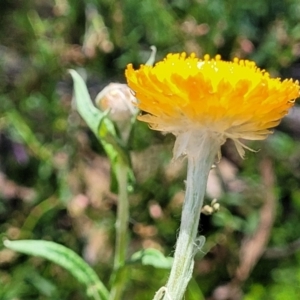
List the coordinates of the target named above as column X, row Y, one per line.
column 188, row 243
column 119, row 275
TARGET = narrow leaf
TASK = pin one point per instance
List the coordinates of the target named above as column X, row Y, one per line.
column 152, row 257
column 16, row 121
column 85, row 106
column 65, row 258
column 97, row 120
column 100, row 124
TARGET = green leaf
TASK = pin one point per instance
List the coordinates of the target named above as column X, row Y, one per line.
column 85, row 106
column 224, row 218
column 44, row 286
column 100, row 124
column 152, row 257
column 97, row 121
column 65, row 258
column 193, row 291
column 22, row 130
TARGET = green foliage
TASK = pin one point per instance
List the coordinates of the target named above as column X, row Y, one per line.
column 66, row 258
column 151, row 257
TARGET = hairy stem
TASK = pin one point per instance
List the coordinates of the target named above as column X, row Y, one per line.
column 188, row 243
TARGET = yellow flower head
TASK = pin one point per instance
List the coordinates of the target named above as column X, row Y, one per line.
column 189, row 96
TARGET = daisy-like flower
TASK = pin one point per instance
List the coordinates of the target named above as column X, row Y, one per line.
column 190, row 97
column 203, row 102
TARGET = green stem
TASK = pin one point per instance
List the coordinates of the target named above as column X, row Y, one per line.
column 119, row 274
column 188, row 243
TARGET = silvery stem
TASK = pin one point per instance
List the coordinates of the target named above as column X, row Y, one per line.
column 188, row 243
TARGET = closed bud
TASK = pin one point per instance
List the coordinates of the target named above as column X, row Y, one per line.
column 207, row 210
column 117, row 98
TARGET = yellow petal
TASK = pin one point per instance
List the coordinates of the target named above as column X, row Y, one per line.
column 235, row 99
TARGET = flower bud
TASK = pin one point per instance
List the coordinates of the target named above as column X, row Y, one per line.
column 118, row 99
column 207, row 210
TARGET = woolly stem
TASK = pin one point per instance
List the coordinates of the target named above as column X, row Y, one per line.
column 199, row 165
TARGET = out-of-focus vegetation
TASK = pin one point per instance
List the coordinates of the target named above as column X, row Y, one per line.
column 55, row 178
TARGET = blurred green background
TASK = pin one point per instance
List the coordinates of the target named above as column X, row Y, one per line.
column 55, row 178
